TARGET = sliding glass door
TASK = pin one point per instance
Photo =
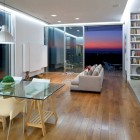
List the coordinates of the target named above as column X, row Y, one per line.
column 65, row 45
column 74, row 48
column 56, row 49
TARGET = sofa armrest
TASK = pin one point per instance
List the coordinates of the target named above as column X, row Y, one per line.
column 90, row 83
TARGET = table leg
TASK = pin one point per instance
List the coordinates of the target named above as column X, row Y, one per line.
column 36, row 116
column 29, row 112
column 53, row 108
column 41, row 117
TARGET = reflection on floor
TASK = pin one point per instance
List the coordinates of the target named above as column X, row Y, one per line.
column 113, row 73
column 135, row 86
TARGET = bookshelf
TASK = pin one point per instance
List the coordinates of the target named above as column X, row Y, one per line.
column 135, row 45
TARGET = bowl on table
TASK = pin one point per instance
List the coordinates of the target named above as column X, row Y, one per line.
column 7, row 83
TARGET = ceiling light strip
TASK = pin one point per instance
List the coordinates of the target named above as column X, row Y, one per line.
column 87, row 24
column 23, row 15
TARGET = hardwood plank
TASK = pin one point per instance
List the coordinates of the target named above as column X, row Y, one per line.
column 114, row 114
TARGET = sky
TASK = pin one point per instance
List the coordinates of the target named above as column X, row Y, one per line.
column 103, row 40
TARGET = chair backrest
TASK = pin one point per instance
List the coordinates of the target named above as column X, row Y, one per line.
column 40, row 81
column 11, row 107
column 17, row 79
column 36, row 86
column 106, row 65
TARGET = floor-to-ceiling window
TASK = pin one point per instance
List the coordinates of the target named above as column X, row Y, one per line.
column 84, row 45
column 65, row 44
column 5, row 19
column 55, row 48
column 103, row 44
column 74, row 47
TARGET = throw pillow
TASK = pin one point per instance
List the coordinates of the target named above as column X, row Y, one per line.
column 95, row 65
column 92, row 68
column 96, row 72
column 86, row 72
column 88, row 67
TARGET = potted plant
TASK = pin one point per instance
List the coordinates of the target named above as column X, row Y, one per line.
column 8, row 80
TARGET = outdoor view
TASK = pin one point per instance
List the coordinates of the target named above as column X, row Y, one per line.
column 103, row 43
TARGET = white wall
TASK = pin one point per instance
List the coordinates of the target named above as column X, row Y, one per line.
column 126, row 44
column 26, row 31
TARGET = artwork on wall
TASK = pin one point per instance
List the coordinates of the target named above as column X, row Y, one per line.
column 34, row 57
column 103, row 43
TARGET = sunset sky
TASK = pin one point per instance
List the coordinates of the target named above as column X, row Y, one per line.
column 103, row 40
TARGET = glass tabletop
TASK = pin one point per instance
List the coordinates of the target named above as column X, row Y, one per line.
column 30, row 90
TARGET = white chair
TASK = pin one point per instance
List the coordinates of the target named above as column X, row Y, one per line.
column 11, row 107
column 109, row 66
column 38, row 83
column 36, row 86
column 41, row 80
column 41, row 86
column 3, row 120
column 17, row 79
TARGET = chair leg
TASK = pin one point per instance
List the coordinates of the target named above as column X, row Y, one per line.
column 26, row 107
column 23, row 121
column 4, row 123
column 9, row 130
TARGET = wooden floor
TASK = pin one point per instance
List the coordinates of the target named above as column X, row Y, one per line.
column 112, row 115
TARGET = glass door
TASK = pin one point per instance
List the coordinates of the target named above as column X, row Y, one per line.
column 56, row 49
column 74, row 49
column 5, row 67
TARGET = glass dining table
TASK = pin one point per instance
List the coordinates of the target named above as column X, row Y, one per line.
column 37, row 92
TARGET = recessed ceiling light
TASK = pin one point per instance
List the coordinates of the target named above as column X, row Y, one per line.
column 115, row 5
column 78, row 30
column 53, row 15
column 59, row 21
column 77, row 18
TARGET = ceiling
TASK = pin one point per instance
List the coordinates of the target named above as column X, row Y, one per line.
column 67, row 10
column 135, row 7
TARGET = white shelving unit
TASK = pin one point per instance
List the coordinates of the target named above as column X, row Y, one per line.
column 135, row 45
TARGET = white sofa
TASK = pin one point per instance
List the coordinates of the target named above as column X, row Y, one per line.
column 89, row 81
